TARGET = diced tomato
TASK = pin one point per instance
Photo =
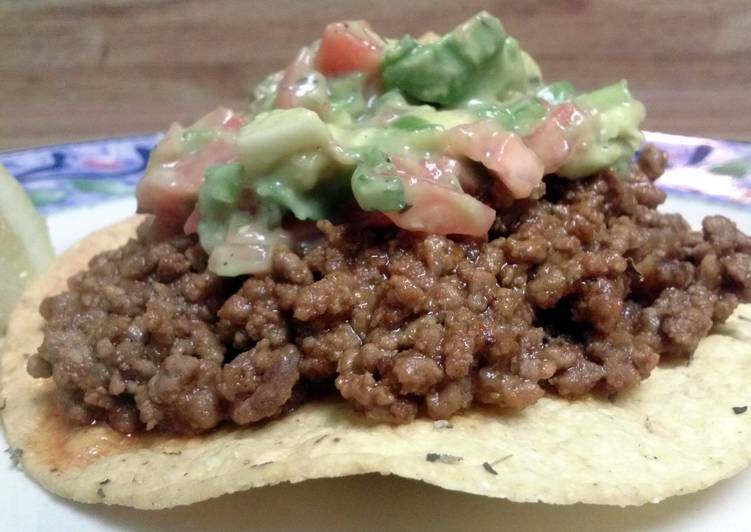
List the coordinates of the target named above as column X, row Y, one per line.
column 437, row 209
column 441, row 170
column 348, row 47
column 222, row 119
column 169, row 188
column 301, row 66
column 191, row 224
column 501, row 152
column 436, row 203
column 445, row 170
column 552, row 140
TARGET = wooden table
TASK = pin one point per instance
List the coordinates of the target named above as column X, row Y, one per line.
column 75, row 69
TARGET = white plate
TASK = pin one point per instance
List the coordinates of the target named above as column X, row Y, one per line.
column 368, row 502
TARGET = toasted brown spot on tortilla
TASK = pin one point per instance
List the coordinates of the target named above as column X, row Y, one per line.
column 62, row 447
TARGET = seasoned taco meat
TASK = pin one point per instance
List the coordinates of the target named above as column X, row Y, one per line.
column 584, row 290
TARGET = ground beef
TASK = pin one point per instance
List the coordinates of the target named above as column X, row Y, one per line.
column 583, row 290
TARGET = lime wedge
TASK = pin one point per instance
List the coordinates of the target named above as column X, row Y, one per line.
column 25, row 247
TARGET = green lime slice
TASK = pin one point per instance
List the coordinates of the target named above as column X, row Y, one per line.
column 25, row 247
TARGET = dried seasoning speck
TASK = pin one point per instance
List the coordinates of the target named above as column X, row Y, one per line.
column 442, row 424
column 443, row 458
column 263, row 464
column 320, row 439
column 737, row 410
column 172, row 453
column 501, row 459
column 337, row 440
column 104, row 482
column 489, row 468
column 3, row 404
column 744, row 318
column 100, row 493
column 15, row 456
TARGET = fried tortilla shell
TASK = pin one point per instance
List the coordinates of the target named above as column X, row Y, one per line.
column 683, row 429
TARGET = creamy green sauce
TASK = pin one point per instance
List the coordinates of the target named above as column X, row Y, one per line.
column 332, row 132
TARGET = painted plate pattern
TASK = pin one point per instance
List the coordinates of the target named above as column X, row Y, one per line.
column 85, row 173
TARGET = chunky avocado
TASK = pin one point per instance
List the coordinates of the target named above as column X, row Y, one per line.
column 275, row 135
column 217, row 200
column 375, row 184
column 443, row 72
column 614, row 131
column 473, row 93
column 520, row 115
column 555, row 93
column 347, row 98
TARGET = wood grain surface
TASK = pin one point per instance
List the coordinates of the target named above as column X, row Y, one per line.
column 75, row 69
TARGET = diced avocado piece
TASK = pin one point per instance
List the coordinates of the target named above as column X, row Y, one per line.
column 311, row 92
column 303, row 171
column 265, row 93
column 247, row 247
column 442, row 72
column 324, row 201
column 558, row 92
column 389, row 140
column 277, row 197
column 223, row 188
column 374, row 192
column 217, row 200
column 277, row 134
column 519, row 116
column 526, row 115
column 375, row 185
column 510, row 72
column 532, row 69
column 614, row 134
column 411, row 123
column 347, row 97
column 312, row 185
column 393, row 103
column 607, row 98
column 445, row 118
column 522, row 116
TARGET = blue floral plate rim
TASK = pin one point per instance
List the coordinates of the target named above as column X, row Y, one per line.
column 81, row 173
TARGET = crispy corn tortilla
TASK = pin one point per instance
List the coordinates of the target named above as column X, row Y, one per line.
column 677, row 433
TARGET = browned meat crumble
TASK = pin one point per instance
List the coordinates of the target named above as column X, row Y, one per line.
column 581, row 290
